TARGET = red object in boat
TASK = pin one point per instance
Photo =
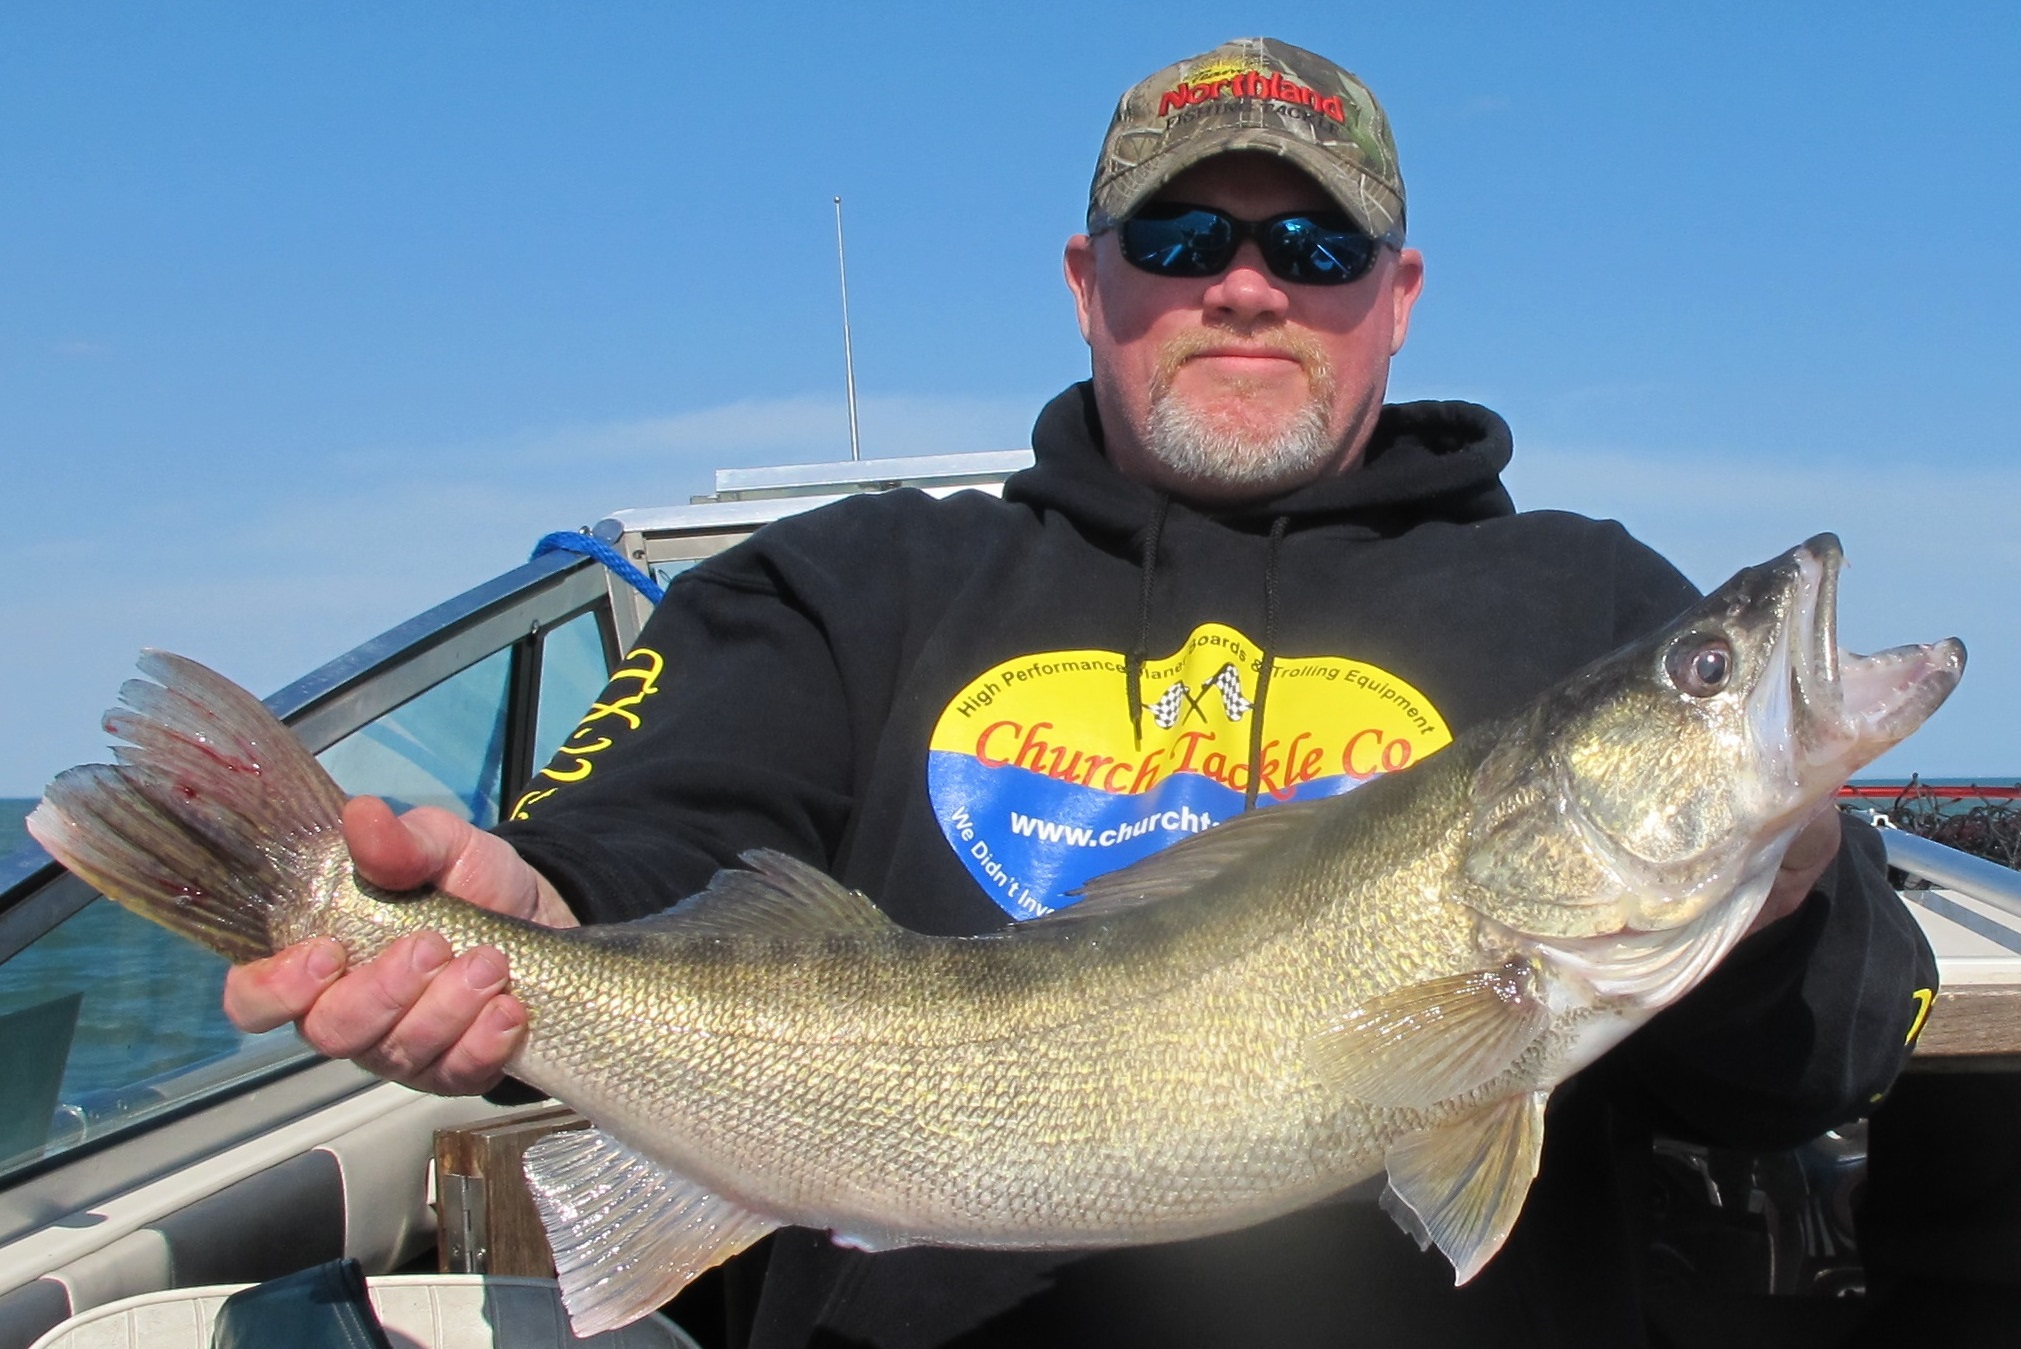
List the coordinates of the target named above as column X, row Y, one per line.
column 1886, row 791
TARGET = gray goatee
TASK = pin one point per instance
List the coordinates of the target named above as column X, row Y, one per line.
column 1232, row 449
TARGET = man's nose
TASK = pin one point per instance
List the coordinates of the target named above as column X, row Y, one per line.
column 1247, row 291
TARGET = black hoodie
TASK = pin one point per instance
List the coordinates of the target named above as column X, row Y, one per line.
column 922, row 697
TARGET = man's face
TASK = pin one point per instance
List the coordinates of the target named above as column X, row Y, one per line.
column 1240, row 385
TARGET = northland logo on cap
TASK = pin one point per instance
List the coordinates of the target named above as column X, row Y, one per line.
column 1249, row 84
column 1251, row 94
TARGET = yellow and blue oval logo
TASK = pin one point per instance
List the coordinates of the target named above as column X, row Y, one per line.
column 1040, row 784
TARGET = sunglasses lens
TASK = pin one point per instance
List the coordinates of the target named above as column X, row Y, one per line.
column 1181, row 242
column 1318, row 250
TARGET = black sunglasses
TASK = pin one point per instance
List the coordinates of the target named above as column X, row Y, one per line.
column 1310, row 248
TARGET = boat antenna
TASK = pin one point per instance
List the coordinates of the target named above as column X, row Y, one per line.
column 848, row 355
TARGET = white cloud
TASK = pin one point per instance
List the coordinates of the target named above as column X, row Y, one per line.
column 817, row 428
column 770, row 431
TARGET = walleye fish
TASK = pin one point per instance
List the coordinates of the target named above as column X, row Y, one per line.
column 1244, row 1024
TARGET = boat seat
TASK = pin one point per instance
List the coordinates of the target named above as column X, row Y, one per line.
column 419, row 1311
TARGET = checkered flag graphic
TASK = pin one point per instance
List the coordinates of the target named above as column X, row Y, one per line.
column 1168, row 709
column 1229, row 681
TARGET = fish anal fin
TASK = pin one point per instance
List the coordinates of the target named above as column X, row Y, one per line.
column 779, row 897
column 1181, row 867
column 627, row 1233
column 1427, row 1042
column 1400, row 1213
column 1462, row 1187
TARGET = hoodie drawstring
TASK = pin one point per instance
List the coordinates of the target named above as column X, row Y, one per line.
column 1277, row 528
column 1140, row 651
column 1133, row 664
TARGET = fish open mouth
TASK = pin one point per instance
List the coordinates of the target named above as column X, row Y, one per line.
column 1848, row 708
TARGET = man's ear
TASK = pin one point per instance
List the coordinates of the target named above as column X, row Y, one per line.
column 1079, row 266
column 1407, row 282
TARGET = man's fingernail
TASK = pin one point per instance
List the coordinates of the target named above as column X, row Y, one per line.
column 429, row 955
column 324, row 960
column 501, row 1018
column 484, row 969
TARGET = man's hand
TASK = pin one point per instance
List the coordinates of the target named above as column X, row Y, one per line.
column 1810, row 852
column 412, row 1014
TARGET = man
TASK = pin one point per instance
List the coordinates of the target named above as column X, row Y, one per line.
column 1233, row 576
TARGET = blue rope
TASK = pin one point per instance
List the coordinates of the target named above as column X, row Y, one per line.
column 568, row 541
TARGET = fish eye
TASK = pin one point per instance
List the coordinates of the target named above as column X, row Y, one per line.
column 1702, row 667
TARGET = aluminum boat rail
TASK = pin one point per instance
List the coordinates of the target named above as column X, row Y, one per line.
column 1987, row 882
column 1970, row 909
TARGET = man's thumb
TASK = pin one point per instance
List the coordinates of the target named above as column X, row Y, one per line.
column 385, row 849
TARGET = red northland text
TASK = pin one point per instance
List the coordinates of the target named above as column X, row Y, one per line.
column 1252, row 84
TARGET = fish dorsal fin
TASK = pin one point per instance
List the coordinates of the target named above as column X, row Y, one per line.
column 1427, row 1042
column 1462, row 1186
column 779, row 897
column 1181, row 867
column 627, row 1233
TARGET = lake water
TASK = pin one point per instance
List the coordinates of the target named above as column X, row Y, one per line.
column 13, row 811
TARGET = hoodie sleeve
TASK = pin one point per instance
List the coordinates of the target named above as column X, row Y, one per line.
column 724, row 729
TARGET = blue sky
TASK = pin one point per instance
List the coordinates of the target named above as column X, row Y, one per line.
column 314, row 314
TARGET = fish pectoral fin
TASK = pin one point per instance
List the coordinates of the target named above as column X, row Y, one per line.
column 1463, row 1186
column 1428, row 1042
column 779, row 896
column 627, row 1233
column 1177, row 869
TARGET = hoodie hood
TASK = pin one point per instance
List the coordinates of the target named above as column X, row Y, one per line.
column 1425, row 461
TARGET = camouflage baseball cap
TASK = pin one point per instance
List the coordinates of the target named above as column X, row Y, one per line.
column 1254, row 93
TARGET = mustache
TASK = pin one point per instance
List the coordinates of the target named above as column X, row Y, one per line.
column 1299, row 346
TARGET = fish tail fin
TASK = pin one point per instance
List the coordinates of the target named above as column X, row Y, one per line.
column 215, row 822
